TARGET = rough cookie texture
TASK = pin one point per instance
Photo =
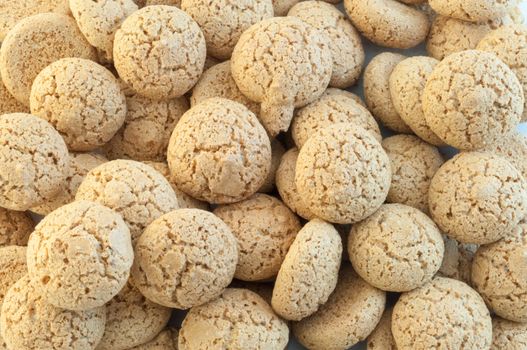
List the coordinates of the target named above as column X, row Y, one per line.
column 239, row 319
column 508, row 335
column 513, row 147
column 15, row 227
column 477, row 197
column 34, row 161
column 343, row 174
column 12, row 267
column 382, row 338
column 9, row 104
column 294, row 71
column 460, row 318
column 166, row 340
column 29, row 322
column 33, row 44
column 147, row 58
column 185, row 258
column 282, row 7
column 344, row 40
column 264, row 228
column 219, row 152
column 277, row 152
column 176, row 3
column 132, row 320
column 473, row 10
column 349, row 316
column 309, row 272
column 413, row 163
column 457, row 262
column 346, row 93
column 224, row 22
column 472, row 99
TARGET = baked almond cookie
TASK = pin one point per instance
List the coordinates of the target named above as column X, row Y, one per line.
column 166, row 340
column 9, row 104
column 460, row 318
column 473, row 10
column 132, row 320
column 295, row 72
column 513, row 147
column 264, row 228
column 388, row 22
column 29, row 322
column 508, row 335
column 34, row 161
column 344, row 40
column 477, row 198
column 219, row 152
column 348, row 317
column 224, row 22
column 382, row 338
column 99, row 20
column 343, row 174
column 328, row 110
column 159, row 51
column 406, row 83
column 34, row 43
column 346, row 93
column 411, row 252
column 176, row 3
column 15, row 227
column 264, row 290
column 457, row 262
column 472, row 99
column 277, row 152
column 12, row 267
column 498, row 274
column 377, row 91
column 309, row 272
column 413, row 163
column 282, row 7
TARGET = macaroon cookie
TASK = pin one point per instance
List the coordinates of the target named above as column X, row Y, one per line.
column 9, row 104
column 457, row 261
column 382, row 338
column 473, row 10
column 13, row 267
column 508, row 335
column 513, row 147
column 166, row 340
column 282, row 7
column 15, row 227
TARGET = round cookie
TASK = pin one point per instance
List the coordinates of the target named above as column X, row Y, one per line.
column 132, row 320
column 12, row 267
column 477, row 198
column 328, row 110
column 513, row 147
column 134, row 190
column 166, row 340
column 348, row 317
column 396, row 249
column 29, row 322
column 508, row 335
column 81, row 99
column 377, row 91
column 265, row 228
column 472, row 99
column 406, row 83
column 457, row 261
column 238, row 319
column 224, row 22
column 9, row 104
column 309, row 272
column 33, row 44
column 277, row 152
column 460, row 317
column 344, row 40
column 413, row 163
column 34, row 161
column 184, row 258
column 346, row 93
column 382, row 338
column 388, row 22
column 159, row 51
column 295, row 72
column 264, row 290
column 15, row 227
column 282, row 7
column 219, row 152
column 343, row 174
column 147, row 128
column 498, row 274
column 473, row 10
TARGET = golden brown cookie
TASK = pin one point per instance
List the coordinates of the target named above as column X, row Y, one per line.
column 15, row 227
column 473, row 10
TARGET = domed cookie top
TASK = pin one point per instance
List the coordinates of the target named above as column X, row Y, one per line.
column 13, row 267
column 473, row 10
column 513, row 147
column 508, row 335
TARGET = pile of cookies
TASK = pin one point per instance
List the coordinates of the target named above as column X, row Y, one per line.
column 163, row 156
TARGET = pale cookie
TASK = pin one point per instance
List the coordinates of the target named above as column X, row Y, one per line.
column 343, row 174
column 477, row 198
column 309, row 272
column 295, row 71
column 413, row 163
column 349, row 316
column 146, row 129
column 160, row 51
column 176, row 3
column 472, row 99
column 33, row 44
column 277, row 152
column 406, row 83
column 346, row 93
column 34, row 161
column 184, row 258
column 219, row 152
column 81, row 99
column 166, row 340
column 512, row 147
column 224, row 22
column 498, row 274
column 509, row 43
column 239, row 319
column 264, row 290
column 282, row 7
column 12, row 267
column 9, row 104
column 388, row 22
column 457, row 262
column 328, row 110
column 29, row 322
column 508, row 335
column 473, row 10
column 382, row 338
column 132, row 320
column 264, row 228
column 344, row 40
column 396, row 249
column 377, row 91
column 15, row 227
column 99, row 20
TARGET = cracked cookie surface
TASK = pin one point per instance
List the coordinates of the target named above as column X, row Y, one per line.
column 473, row 10
column 508, row 335
column 15, row 227
column 513, row 148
